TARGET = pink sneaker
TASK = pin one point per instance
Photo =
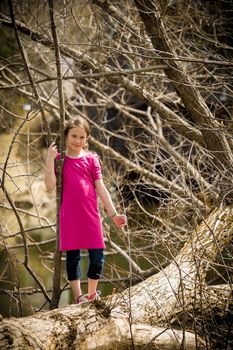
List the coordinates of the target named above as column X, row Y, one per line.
column 94, row 296
column 81, row 299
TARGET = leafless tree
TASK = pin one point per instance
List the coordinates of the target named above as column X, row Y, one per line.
column 153, row 78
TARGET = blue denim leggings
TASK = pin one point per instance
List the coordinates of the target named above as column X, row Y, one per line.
column 96, row 260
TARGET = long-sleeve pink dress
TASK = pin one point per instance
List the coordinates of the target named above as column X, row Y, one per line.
column 80, row 222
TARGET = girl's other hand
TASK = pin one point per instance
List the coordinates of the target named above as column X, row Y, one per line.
column 52, row 151
column 119, row 220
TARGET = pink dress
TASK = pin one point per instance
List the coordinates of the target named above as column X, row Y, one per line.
column 80, row 222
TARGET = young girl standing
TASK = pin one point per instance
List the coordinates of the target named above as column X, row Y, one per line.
column 80, row 222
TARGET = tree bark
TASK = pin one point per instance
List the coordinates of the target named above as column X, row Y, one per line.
column 88, row 326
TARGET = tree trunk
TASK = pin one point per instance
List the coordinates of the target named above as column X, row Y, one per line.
column 88, row 326
column 130, row 319
column 57, row 254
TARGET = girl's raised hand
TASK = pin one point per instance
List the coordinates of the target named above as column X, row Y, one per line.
column 119, row 220
column 52, row 151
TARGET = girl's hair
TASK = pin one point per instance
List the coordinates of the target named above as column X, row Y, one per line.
column 77, row 122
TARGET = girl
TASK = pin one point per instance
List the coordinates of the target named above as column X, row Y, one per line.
column 80, row 222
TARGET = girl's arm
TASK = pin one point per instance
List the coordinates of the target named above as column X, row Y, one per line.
column 50, row 179
column 118, row 219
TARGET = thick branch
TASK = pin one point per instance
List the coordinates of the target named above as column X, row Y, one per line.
column 178, row 284
column 190, row 96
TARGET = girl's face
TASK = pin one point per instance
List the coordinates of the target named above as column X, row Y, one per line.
column 75, row 140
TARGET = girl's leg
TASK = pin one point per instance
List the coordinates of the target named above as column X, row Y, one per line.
column 73, row 258
column 92, row 286
column 76, row 288
column 96, row 257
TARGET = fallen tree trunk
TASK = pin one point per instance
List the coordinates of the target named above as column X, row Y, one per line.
column 88, row 326
column 131, row 319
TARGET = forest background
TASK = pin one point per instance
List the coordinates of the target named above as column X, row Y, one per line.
column 154, row 80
